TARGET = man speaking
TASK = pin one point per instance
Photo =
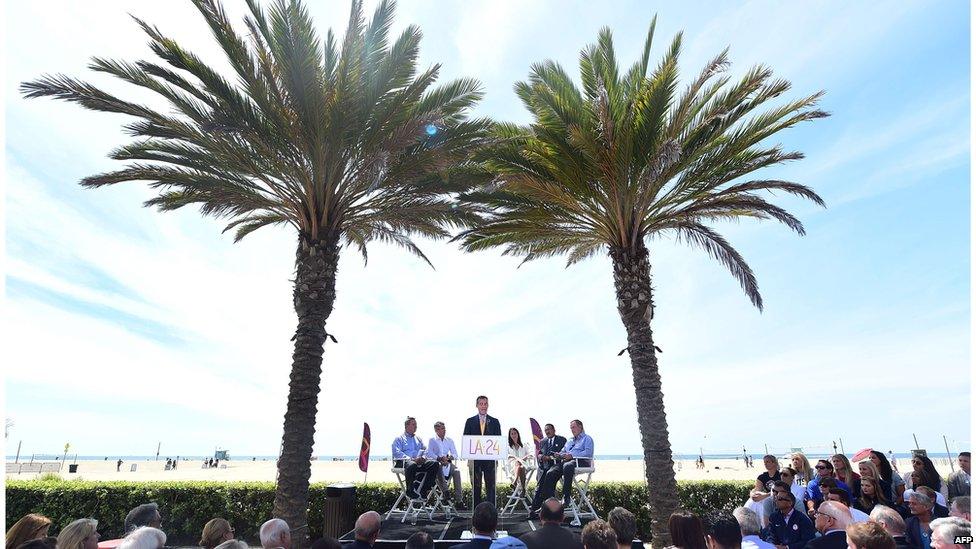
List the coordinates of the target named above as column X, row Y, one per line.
column 483, row 424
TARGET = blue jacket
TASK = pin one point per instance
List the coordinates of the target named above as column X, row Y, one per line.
column 796, row 533
column 813, row 491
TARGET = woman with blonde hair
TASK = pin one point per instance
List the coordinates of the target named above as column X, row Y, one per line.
column 843, row 472
column 215, row 532
column 868, row 469
column 804, row 472
column 29, row 528
column 80, row 534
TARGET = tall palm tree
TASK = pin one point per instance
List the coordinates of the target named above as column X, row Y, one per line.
column 346, row 143
column 623, row 160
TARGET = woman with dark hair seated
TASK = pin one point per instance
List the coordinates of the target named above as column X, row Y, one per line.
column 687, row 531
column 895, row 484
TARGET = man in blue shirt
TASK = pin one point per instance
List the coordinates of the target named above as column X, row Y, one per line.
column 579, row 452
column 408, row 452
column 825, row 470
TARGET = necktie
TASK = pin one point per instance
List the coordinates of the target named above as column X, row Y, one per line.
column 482, row 426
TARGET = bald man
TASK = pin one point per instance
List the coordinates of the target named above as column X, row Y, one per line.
column 367, row 530
column 831, row 519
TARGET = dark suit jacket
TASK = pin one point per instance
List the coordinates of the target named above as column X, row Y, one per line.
column 475, row 543
column 833, row 540
column 913, row 531
column 473, row 426
column 551, row 536
column 796, row 534
column 548, row 448
column 357, row 545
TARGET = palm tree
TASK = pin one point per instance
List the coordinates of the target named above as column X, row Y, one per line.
column 623, row 160
column 346, row 143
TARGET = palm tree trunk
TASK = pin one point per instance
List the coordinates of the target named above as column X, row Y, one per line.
column 314, row 296
column 632, row 280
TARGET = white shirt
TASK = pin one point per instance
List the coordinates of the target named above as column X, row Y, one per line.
column 519, row 454
column 437, row 448
column 859, row 515
column 753, row 542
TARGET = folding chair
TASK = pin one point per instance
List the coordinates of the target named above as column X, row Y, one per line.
column 581, row 507
column 520, row 494
column 413, row 506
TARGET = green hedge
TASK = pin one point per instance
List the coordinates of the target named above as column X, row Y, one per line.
column 187, row 506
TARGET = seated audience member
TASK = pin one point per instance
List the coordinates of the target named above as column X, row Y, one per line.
column 549, row 449
column 80, row 534
column 843, row 473
column 366, row 531
column 869, row 470
column 946, row 530
column 722, row 531
column 750, row 528
column 892, row 484
column 959, row 481
column 507, row 542
column 420, row 540
column 551, row 533
column 687, row 531
column 49, row 542
column 871, row 495
column 825, row 470
column 868, row 535
column 779, row 487
column 892, row 522
column 763, row 488
column 924, row 473
column 144, row 537
column 831, row 520
column 484, row 522
column 275, row 533
column 624, row 523
column 917, row 527
column 960, row 507
column 938, row 510
column 838, row 495
column 597, row 534
column 215, row 532
column 146, row 514
column 408, row 452
column 28, row 528
column 238, row 544
column 788, row 527
column 804, row 473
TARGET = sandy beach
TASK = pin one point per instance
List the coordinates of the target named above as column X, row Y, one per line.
column 379, row 471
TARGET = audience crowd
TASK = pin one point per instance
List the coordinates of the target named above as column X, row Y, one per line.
column 827, row 506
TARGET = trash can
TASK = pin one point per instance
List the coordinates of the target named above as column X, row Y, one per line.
column 73, row 468
column 340, row 509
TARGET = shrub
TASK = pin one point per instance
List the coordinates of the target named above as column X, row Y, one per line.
column 187, row 506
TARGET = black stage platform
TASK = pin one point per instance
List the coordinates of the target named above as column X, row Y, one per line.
column 447, row 532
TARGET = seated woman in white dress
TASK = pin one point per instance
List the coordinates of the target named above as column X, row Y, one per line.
column 520, row 459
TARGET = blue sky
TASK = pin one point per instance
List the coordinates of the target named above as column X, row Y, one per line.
column 127, row 327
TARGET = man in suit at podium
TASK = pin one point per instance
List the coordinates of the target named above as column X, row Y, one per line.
column 483, row 424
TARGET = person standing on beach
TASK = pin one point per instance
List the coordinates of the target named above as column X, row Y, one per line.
column 118, row 466
column 484, row 469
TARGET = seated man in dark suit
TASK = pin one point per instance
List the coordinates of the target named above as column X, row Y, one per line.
column 551, row 534
column 788, row 528
column 484, row 522
column 549, row 447
column 831, row 519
